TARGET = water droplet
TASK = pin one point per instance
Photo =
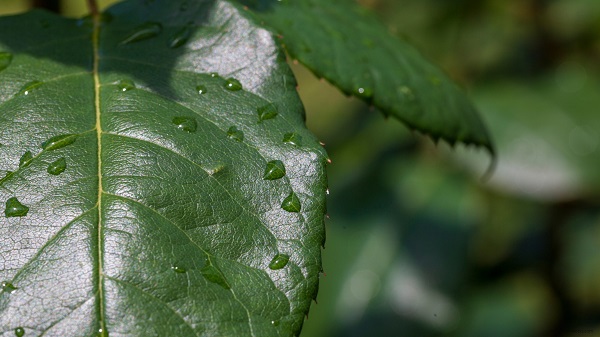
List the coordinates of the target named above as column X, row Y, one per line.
column 57, row 167
column 279, row 261
column 5, row 60
column 274, row 170
column 265, row 112
column 327, row 192
column 235, row 134
column 215, row 168
column 126, row 85
column 232, row 84
column 407, row 92
column 7, row 287
column 19, row 332
column 275, row 322
column 58, row 142
column 214, row 75
column 187, row 124
column 25, row 159
column 292, row 138
column 180, row 37
column 364, row 92
column 178, row 269
column 212, row 274
column 15, row 208
column 28, row 87
column 291, row 203
column 143, row 32
column 201, row 89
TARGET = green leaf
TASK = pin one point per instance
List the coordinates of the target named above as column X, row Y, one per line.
column 140, row 206
column 346, row 45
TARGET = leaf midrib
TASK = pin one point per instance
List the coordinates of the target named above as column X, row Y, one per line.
column 99, row 243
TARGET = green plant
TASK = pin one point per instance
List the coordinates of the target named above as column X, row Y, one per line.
column 159, row 180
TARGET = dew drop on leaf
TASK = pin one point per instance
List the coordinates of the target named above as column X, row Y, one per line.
column 265, row 112
column 232, row 84
column 407, row 92
column 201, row 89
column 292, row 138
column 28, row 87
column 145, row 31
column 279, row 261
column 291, row 203
column 57, row 167
column 212, row 274
column 274, row 170
column 5, row 60
column 126, row 85
column 235, row 134
column 187, row 124
column 180, row 37
column 364, row 92
column 178, row 269
column 25, row 159
column 14, row 208
column 19, row 332
column 214, row 75
column 275, row 322
column 58, row 142
column 7, row 287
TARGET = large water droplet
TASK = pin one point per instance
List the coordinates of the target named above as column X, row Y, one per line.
column 274, row 170
column 232, row 84
column 25, row 159
column 212, row 274
column 292, row 138
column 15, row 208
column 201, row 89
column 57, row 167
column 5, row 60
column 364, row 92
column 265, row 112
column 187, row 124
column 235, row 134
column 180, row 37
column 58, row 142
column 19, row 332
column 178, row 269
column 7, row 287
column 126, row 85
column 143, row 32
column 291, row 203
column 279, row 261
column 28, row 87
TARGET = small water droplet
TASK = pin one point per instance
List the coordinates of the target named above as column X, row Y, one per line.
column 19, row 332
column 187, row 124
column 28, row 87
column 327, row 192
column 180, row 37
column 291, row 203
column 14, row 208
column 5, row 60
column 58, row 142
column 279, row 261
column 232, row 84
column 25, row 159
column 235, row 133
column 214, row 275
column 364, row 92
column 214, row 75
column 215, row 168
column 274, row 170
column 275, row 322
column 126, row 85
column 292, row 138
column 143, row 32
column 178, row 269
column 7, row 287
column 265, row 112
column 201, row 89
column 407, row 92
column 57, row 167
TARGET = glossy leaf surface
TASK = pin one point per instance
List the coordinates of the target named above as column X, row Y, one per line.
column 134, row 212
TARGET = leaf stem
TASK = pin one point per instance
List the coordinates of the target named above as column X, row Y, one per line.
column 93, row 6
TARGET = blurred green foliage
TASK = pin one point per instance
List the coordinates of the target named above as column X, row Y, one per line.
column 418, row 244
